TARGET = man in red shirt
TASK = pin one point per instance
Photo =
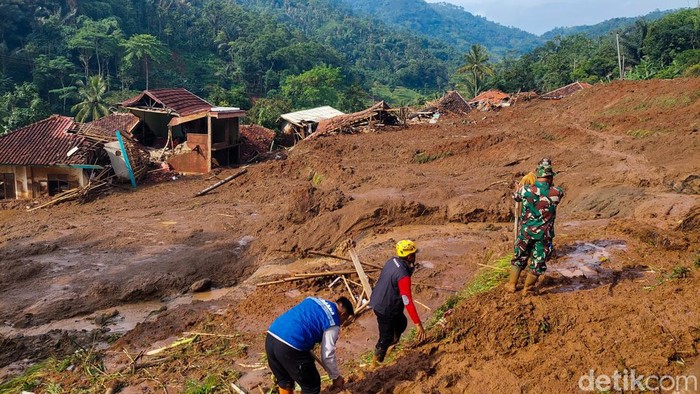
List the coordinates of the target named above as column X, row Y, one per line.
column 391, row 294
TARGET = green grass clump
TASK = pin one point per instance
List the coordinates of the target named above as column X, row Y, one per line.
column 31, row 379
column 422, row 157
column 680, row 272
column 207, row 386
column 642, row 133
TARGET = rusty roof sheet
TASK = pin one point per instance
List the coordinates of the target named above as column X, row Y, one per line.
column 180, row 101
column 44, row 143
column 492, row 96
column 566, row 91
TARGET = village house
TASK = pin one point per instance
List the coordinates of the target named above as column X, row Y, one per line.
column 43, row 158
column 170, row 117
column 301, row 124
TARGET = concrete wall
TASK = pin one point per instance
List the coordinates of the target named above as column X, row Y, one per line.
column 32, row 182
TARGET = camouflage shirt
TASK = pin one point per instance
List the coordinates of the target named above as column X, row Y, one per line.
column 539, row 209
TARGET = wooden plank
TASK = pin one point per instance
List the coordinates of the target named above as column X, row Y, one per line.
column 360, row 272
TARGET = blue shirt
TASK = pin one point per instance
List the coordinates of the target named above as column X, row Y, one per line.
column 302, row 327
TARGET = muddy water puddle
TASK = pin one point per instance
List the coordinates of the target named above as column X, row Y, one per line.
column 119, row 319
column 584, row 265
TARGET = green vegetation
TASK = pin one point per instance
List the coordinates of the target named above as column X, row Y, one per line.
column 679, row 273
column 269, row 56
column 207, row 386
column 696, row 261
column 663, row 48
column 487, row 279
column 641, row 133
column 449, row 23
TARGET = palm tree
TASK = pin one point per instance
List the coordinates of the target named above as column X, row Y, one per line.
column 144, row 47
column 476, row 67
column 94, row 105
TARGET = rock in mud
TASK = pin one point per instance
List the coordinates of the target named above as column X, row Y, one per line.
column 201, row 285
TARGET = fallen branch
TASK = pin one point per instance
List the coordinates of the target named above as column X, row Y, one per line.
column 317, row 253
column 221, row 182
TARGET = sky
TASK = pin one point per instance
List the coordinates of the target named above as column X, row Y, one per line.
column 540, row 16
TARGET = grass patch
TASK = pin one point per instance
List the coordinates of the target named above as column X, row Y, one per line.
column 641, row 133
column 422, row 157
column 673, row 101
column 696, row 261
column 680, row 273
column 34, row 377
column 487, row 279
column 208, row 385
column 598, row 126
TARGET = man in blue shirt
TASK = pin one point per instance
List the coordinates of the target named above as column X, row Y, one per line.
column 292, row 337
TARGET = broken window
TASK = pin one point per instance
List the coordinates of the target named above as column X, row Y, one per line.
column 7, row 186
column 58, row 183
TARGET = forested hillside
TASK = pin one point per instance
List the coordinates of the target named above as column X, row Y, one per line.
column 603, row 28
column 666, row 48
column 450, row 23
column 223, row 50
column 272, row 56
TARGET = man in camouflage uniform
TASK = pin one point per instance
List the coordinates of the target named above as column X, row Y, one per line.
column 534, row 242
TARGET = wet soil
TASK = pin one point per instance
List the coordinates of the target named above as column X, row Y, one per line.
column 613, row 298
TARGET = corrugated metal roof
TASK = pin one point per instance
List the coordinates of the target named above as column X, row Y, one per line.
column 179, row 100
column 43, row 143
column 311, row 115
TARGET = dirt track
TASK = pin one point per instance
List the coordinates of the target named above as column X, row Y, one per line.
column 627, row 154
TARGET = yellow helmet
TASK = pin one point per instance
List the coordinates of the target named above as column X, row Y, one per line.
column 405, row 247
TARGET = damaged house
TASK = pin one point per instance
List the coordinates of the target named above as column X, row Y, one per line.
column 205, row 136
column 301, row 124
column 43, row 158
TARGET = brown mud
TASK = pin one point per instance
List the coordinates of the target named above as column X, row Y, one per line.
column 627, row 156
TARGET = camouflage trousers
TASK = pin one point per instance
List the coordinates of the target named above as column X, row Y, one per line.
column 538, row 251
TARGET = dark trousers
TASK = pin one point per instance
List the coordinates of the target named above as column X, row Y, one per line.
column 390, row 329
column 290, row 365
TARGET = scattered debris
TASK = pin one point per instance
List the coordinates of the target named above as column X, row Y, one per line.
column 491, row 100
column 451, row 103
column 256, row 143
column 564, row 91
column 369, row 120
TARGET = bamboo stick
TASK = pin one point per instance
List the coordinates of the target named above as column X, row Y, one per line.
column 347, row 286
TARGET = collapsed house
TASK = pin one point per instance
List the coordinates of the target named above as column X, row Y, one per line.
column 368, row 120
column 301, row 124
column 491, row 100
column 564, row 91
column 451, row 103
column 205, row 136
column 43, row 158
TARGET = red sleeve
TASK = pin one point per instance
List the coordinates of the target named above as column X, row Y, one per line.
column 405, row 291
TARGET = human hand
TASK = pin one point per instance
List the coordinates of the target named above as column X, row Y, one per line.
column 421, row 333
